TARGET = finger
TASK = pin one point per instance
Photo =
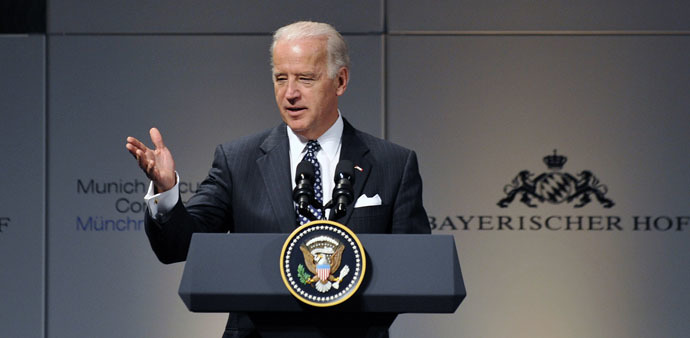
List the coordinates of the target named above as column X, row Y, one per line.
column 136, row 143
column 144, row 159
column 156, row 138
column 149, row 166
column 132, row 149
column 150, row 169
column 139, row 155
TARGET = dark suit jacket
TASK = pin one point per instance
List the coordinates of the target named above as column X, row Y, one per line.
column 249, row 189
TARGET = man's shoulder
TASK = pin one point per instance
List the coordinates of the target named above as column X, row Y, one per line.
column 380, row 146
column 264, row 139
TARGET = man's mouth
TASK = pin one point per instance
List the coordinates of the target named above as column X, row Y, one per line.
column 295, row 109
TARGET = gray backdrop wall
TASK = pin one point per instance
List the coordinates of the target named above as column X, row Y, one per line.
column 482, row 90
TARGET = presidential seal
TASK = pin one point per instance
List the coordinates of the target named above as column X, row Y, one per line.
column 322, row 263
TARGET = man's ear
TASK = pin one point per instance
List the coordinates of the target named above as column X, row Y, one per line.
column 343, row 77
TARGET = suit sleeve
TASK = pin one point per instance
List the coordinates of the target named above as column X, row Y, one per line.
column 409, row 215
column 209, row 210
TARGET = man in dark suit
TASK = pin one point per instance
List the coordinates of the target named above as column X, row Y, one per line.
column 249, row 187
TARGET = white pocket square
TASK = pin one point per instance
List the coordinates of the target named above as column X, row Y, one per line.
column 364, row 201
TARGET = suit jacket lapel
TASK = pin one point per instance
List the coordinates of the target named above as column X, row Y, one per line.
column 355, row 150
column 274, row 166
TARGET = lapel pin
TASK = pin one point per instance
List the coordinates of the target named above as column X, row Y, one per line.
column 359, row 168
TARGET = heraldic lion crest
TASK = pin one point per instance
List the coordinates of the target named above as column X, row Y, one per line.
column 555, row 187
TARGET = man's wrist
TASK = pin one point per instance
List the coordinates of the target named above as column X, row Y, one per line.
column 160, row 203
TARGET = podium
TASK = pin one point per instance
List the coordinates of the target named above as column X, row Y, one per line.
column 240, row 273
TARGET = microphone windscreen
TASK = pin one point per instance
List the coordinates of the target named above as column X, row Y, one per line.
column 345, row 168
column 306, row 169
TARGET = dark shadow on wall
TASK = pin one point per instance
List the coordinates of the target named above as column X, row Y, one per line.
column 22, row 16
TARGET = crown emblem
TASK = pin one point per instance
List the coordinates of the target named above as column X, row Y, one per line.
column 555, row 161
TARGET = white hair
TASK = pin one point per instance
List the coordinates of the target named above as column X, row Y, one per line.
column 335, row 44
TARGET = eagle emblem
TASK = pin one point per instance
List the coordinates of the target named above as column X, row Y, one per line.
column 322, row 256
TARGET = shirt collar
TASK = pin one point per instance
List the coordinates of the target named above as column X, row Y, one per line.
column 329, row 141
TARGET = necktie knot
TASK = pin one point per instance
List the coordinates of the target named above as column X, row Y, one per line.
column 313, row 146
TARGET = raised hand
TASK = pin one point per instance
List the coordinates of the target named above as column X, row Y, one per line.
column 158, row 164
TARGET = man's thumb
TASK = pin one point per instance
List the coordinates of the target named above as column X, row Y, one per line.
column 156, row 138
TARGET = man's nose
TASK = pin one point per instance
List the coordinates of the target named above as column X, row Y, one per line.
column 292, row 91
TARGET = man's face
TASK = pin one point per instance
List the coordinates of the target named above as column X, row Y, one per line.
column 307, row 98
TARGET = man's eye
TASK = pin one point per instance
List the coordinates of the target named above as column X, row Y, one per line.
column 306, row 79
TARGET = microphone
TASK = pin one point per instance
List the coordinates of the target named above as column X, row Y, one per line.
column 343, row 194
column 303, row 193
